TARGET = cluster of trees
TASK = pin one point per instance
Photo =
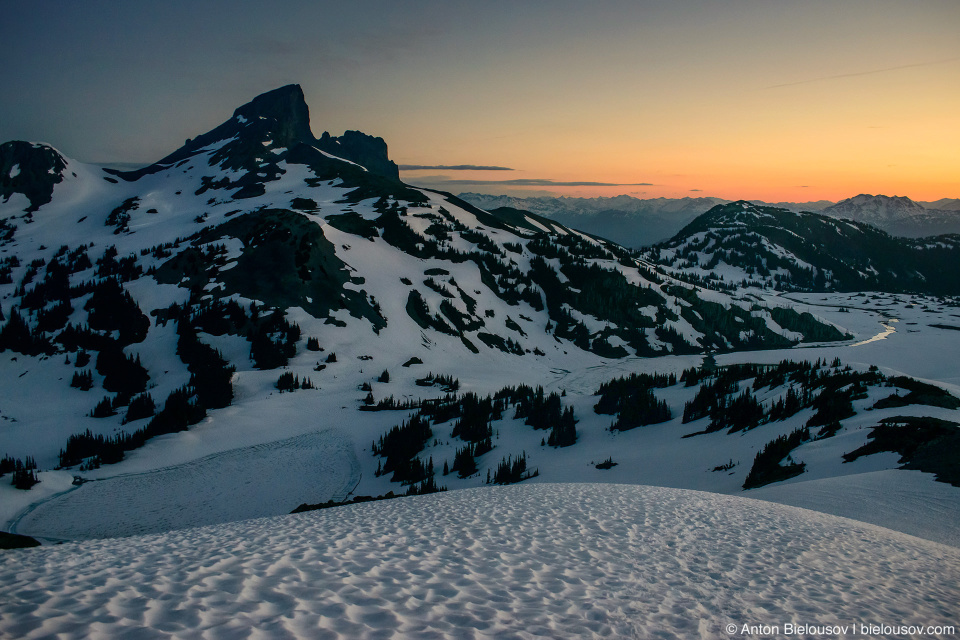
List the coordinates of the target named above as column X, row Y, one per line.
column 564, row 431
column 767, row 465
column 274, row 341
column 908, row 435
column 112, row 311
column 632, row 399
column 112, row 308
column 740, row 413
column 507, row 345
column 725, row 328
column 603, row 293
column 640, row 409
column 123, row 269
column 464, row 460
column 917, row 393
column 419, row 311
column 829, row 390
column 476, row 417
column 290, row 382
column 542, row 411
column 448, row 384
column 400, row 446
column 7, row 263
column 104, row 408
column 389, row 404
column 474, row 426
column 715, row 398
column 210, row 374
column 141, row 406
column 607, row 464
column 429, row 485
column 120, row 216
column 813, row 330
column 122, row 374
column 17, row 336
column 24, row 472
column 786, row 406
column 512, row 470
column 179, row 412
column 82, row 380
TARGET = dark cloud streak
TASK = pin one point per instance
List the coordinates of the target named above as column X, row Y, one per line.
column 537, row 182
column 453, row 167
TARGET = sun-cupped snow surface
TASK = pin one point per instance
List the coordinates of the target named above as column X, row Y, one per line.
column 547, row 561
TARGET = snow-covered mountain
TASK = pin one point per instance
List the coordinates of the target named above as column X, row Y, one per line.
column 875, row 210
column 944, row 204
column 743, row 243
column 900, row 216
column 266, row 319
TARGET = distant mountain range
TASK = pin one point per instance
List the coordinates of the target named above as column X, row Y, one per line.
column 634, row 222
column 900, row 216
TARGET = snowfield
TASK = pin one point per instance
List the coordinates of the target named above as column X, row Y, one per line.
column 546, row 561
column 222, row 487
column 907, row 501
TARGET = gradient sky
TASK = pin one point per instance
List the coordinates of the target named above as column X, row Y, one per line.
column 776, row 100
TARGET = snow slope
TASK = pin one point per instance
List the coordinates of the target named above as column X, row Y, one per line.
column 551, row 561
column 654, row 455
column 895, row 499
column 268, row 479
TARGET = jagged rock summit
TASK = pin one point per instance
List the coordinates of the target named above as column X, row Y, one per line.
column 273, row 127
column 286, row 111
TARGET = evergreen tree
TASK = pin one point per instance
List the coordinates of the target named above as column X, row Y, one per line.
column 564, row 432
column 82, row 380
column 104, row 409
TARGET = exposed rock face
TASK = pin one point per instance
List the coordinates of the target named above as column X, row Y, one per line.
column 365, row 150
column 30, row 169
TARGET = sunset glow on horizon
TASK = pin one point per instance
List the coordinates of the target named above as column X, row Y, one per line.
column 797, row 101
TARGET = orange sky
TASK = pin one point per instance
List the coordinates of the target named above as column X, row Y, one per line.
column 894, row 131
column 756, row 99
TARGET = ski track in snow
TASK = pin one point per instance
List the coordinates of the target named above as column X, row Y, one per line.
column 546, row 561
column 262, row 480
